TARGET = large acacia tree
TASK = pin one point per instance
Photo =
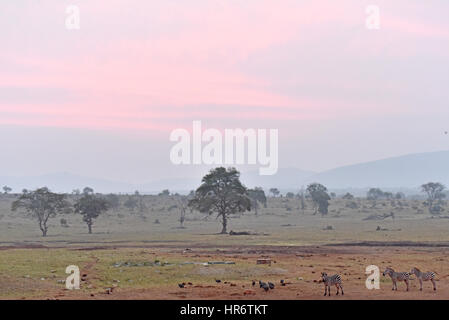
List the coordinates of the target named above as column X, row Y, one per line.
column 42, row 204
column 221, row 192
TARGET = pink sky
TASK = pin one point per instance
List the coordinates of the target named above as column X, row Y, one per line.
column 133, row 61
column 153, row 66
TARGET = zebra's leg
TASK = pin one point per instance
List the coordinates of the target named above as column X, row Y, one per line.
column 329, row 290
column 325, row 290
column 406, row 282
column 434, row 284
column 394, row 285
column 420, row 284
column 336, row 286
column 341, row 287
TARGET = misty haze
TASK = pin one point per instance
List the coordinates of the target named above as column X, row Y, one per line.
column 345, row 162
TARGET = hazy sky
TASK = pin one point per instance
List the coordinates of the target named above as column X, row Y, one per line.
column 102, row 100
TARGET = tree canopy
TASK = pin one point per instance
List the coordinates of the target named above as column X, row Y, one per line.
column 42, row 204
column 320, row 197
column 257, row 195
column 90, row 206
column 435, row 195
column 221, row 192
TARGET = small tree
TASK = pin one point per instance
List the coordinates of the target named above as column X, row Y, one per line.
column 435, row 195
column 113, row 201
column 6, row 189
column 275, row 192
column 131, row 203
column 302, row 199
column 320, row 197
column 290, row 195
column 88, row 190
column 90, row 206
column 221, row 192
column 348, row 196
column 140, row 202
column 373, row 195
column 164, row 193
column 42, row 204
column 183, row 202
column 399, row 196
column 257, row 195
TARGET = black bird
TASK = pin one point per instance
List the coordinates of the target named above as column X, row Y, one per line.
column 265, row 286
column 283, row 283
column 181, row 285
column 217, row 281
column 254, row 283
column 271, row 285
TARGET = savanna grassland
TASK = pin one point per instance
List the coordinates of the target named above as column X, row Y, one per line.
column 146, row 254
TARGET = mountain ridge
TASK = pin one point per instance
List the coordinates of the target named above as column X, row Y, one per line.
column 407, row 171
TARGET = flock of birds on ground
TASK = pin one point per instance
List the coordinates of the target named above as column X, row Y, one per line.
column 335, row 280
column 263, row 285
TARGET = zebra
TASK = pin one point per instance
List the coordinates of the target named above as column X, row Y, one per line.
column 397, row 276
column 424, row 276
column 334, row 280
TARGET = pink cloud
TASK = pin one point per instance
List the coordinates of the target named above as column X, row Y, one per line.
column 183, row 56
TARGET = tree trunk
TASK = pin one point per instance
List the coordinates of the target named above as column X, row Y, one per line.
column 430, row 207
column 43, row 228
column 89, row 225
column 224, row 223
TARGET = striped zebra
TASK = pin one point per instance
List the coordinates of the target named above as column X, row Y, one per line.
column 397, row 276
column 334, row 280
column 424, row 276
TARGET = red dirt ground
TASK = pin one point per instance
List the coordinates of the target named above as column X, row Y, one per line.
column 302, row 267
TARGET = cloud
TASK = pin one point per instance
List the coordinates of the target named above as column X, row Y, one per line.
column 151, row 64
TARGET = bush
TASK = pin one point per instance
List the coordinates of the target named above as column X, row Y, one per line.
column 352, row 205
column 63, row 223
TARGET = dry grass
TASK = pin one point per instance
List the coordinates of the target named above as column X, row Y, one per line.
column 34, row 273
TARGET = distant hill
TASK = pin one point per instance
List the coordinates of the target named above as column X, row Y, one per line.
column 65, row 182
column 284, row 179
column 181, row 185
column 409, row 171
